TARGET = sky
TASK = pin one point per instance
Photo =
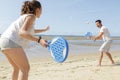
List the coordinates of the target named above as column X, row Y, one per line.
column 67, row 17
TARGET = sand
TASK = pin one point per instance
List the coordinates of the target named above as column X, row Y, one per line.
column 76, row 67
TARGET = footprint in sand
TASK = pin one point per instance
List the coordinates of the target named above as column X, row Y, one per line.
column 96, row 70
column 4, row 77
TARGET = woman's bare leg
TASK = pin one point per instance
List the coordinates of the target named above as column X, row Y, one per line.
column 19, row 57
column 15, row 68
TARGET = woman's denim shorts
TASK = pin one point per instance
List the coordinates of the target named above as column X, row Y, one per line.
column 6, row 43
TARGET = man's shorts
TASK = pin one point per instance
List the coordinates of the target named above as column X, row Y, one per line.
column 105, row 46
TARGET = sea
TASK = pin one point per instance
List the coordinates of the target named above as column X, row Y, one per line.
column 77, row 45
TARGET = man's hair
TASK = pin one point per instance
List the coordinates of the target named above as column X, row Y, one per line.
column 98, row 21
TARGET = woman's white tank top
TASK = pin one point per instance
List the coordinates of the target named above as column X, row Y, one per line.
column 12, row 32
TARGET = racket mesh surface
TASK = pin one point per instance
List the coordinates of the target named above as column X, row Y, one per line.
column 58, row 48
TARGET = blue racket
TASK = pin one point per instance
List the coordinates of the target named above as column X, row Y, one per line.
column 88, row 35
column 59, row 49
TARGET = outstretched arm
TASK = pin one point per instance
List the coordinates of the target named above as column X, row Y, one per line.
column 42, row 30
column 99, row 36
column 24, row 31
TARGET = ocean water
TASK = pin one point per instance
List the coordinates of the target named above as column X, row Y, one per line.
column 75, row 47
column 89, row 46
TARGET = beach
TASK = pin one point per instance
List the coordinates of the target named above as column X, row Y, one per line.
column 76, row 67
column 81, row 64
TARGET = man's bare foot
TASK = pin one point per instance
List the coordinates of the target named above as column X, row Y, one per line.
column 113, row 62
column 99, row 65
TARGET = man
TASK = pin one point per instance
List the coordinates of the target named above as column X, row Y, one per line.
column 105, row 35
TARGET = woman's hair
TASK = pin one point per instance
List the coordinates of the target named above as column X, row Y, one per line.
column 29, row 7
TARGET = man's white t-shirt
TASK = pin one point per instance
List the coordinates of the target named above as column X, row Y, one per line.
column 106, row 33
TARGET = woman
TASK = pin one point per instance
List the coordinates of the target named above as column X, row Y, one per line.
column 18, row 35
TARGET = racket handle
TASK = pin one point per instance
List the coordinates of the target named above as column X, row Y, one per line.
column 48, row 42
column 48, row 45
